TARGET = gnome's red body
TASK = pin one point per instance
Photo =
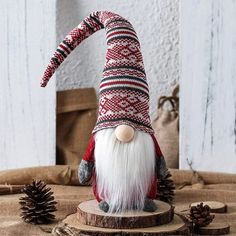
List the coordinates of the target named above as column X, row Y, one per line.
column 124, row 93
column 89, row 157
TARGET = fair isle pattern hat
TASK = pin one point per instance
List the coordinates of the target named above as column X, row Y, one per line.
column 124, row 93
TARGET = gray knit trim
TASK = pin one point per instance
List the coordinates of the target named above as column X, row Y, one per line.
column 149, row 205
column 85, row 171
column 103, row 205
column 161, row 168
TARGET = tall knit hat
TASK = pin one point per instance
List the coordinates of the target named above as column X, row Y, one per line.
column 124, row 93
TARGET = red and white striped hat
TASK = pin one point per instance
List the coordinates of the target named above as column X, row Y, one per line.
column 124, row 93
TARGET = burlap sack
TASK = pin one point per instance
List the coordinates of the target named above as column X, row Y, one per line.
column 76, row 117
column 210, row 178
column 60, row 174
column 166, row 127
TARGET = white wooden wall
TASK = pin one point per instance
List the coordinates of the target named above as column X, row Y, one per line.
column 27, row 112
column 208, row 85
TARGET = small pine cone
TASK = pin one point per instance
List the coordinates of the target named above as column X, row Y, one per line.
column 165, row 188
column 200, row 215
column 38, row 204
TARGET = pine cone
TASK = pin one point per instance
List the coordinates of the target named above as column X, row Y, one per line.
column 200, row 215
column 165, row 188
column 38, row 204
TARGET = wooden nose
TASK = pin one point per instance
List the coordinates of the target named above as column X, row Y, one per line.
column 124, row 133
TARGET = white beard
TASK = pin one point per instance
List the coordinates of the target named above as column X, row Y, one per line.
column 124, row 171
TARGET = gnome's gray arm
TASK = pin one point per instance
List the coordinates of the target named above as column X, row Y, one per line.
column 86, row 167
column 85, row 171
column 161, row 169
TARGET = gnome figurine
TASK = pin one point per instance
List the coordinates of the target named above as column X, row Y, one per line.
column 123, row 157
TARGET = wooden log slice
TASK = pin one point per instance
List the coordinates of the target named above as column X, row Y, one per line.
column 175, row 227
column 89, row 213
column 216, row 207
column 214, row 229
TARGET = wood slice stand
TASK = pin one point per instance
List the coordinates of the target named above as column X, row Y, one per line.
column 90, row 220
column 216, row 207
column 90, row 214
column 214, row 229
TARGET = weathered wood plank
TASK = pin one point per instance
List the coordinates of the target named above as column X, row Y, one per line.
column 208, row 85
column 27, row 112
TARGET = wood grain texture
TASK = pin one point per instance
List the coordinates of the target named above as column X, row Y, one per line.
column 90, row 214
column 214, row 229
column 216, row 207
column 27, row 112
column 208, row 85
column 175, row 227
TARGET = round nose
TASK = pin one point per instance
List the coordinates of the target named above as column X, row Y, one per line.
column 124, row 133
